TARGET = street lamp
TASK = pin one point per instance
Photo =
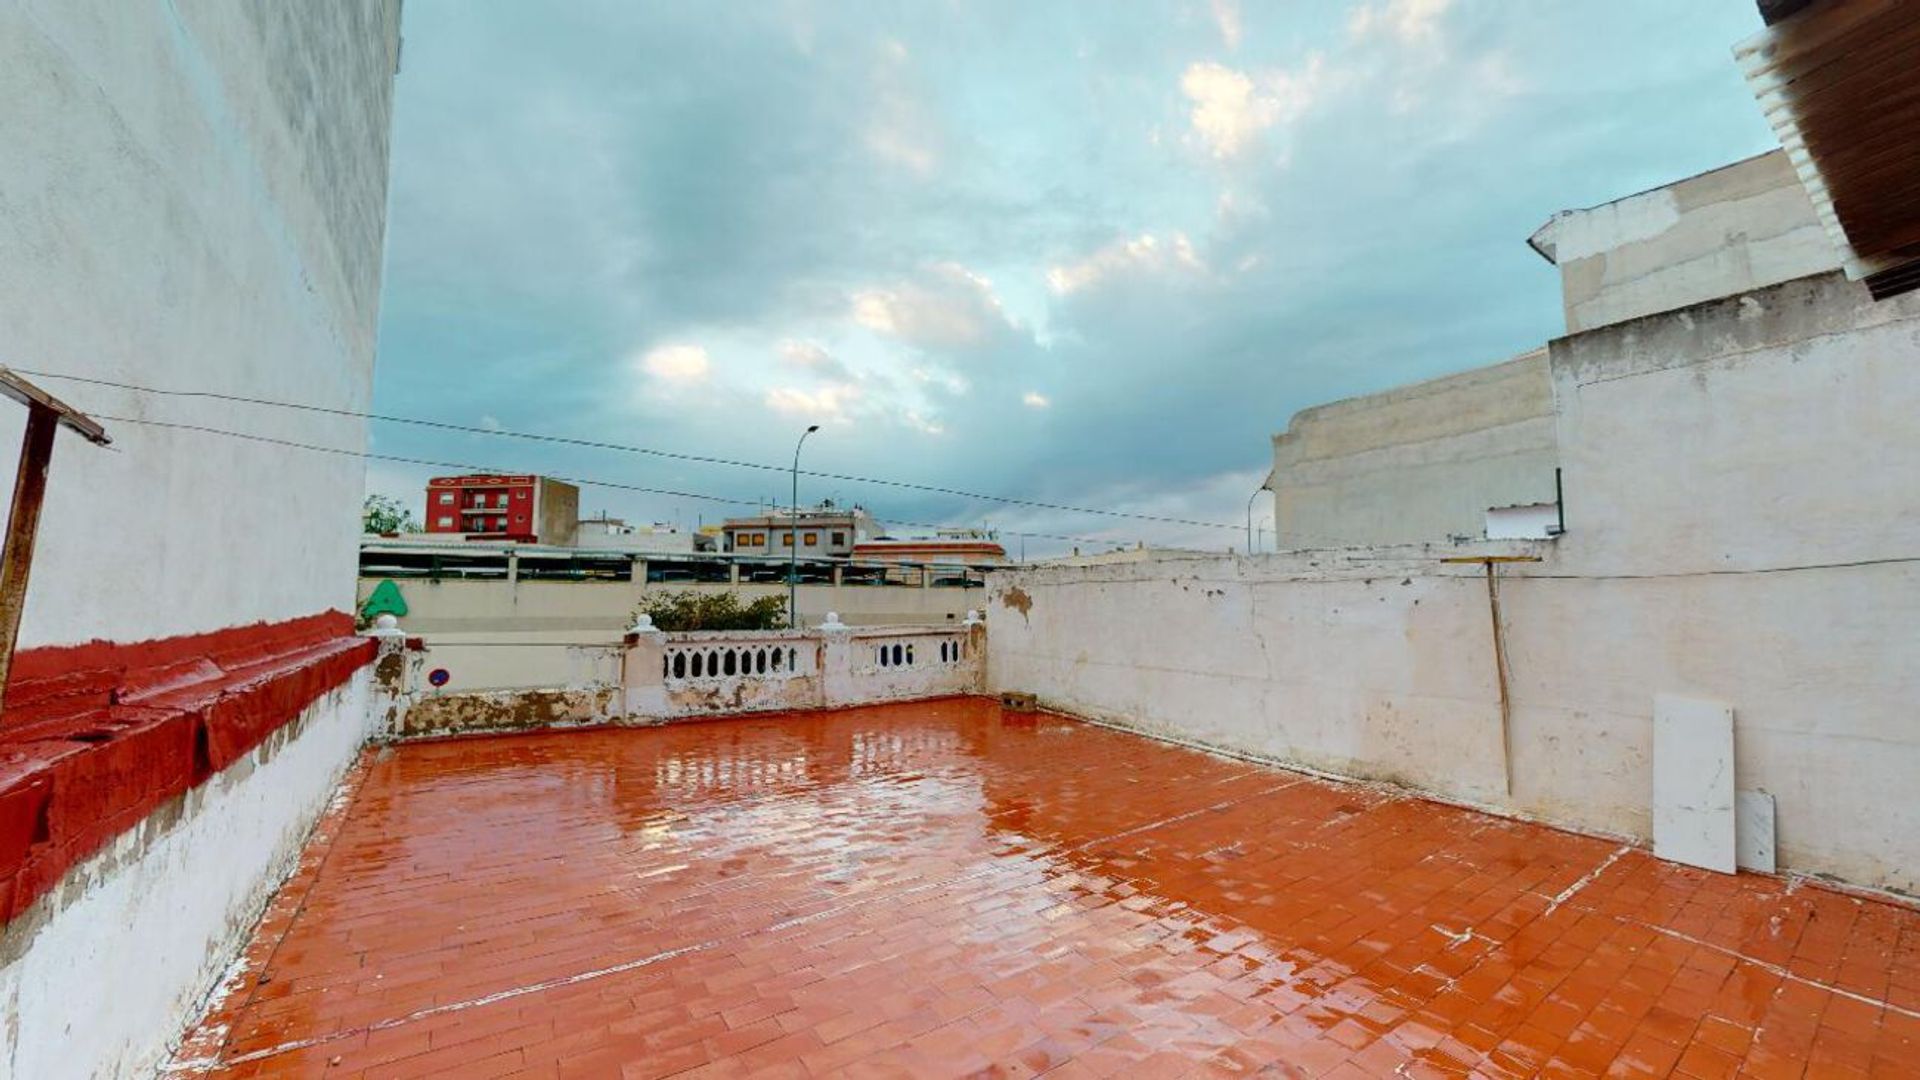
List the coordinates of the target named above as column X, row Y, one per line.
column 1250, row 498
column 793, row 535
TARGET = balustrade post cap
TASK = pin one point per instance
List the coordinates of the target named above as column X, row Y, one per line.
column 386, row 626
column 973, row 617
column 833, row 625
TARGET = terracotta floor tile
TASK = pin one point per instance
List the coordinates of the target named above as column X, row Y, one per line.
column 941, row 889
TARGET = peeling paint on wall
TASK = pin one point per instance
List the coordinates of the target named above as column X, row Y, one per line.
column 1016, row 598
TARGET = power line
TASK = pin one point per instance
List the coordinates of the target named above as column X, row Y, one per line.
column 582, row 481
column 596, row 444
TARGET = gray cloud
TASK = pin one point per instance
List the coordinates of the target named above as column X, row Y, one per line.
column 906, row 220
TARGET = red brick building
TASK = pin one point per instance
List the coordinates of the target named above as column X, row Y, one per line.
column 496, row 506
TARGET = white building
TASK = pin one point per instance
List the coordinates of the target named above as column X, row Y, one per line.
column 192, row 197
column 605, row 533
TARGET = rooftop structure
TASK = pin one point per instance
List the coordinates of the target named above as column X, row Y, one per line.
column 1739, row 227
column 1417, row 463
column 1139, row 553
column 823, row 531
column 1837, row 81
column 967, row 547
column 605, row 532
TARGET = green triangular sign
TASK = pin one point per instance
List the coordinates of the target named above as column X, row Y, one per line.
column 386, row 600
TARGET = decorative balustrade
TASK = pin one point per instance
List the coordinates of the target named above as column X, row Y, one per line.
column 655, row 676
column 718, row 672
column 945, row 649
column 716, row 656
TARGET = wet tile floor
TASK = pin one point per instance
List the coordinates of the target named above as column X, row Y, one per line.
column 941, row 889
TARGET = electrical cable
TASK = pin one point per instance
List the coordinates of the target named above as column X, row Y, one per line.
column 582, row 481
column 596, row 444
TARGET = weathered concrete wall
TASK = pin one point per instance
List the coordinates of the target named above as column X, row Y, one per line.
column 1419, row 463
column 193, row 197
column 653, row 678
column 506, row 710
column 559, row 512
column 1768, row 429
column 521, row 659
column 1742, row 526
column 99, row 975
column 1737, row 228
column 1377, row 667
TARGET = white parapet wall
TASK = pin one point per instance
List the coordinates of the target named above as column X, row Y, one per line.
column 101, row 974
column 656, row 677
column 1742, row 527
column 1377, row 666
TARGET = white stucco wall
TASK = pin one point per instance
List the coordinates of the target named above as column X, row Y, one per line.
column 1417, row 463
column 99, row 976
column 1376, row 668
column 1743, row 526
column 1742, row 513
column 193, row 197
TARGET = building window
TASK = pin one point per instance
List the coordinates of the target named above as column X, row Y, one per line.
column 811, row 539
column 839, row 539
column 446, row 522
column 446, row 498
column 759, row 540
column 786, row 539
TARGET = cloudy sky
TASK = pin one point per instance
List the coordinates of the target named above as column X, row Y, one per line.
column 1077, row 253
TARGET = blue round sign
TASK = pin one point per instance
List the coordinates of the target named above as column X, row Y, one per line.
column 438, row 676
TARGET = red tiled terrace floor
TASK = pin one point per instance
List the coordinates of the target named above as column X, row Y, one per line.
column 937, row 889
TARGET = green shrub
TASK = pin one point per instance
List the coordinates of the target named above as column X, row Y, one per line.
column 688, row 610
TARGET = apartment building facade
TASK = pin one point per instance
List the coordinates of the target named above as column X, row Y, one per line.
column 495, row 506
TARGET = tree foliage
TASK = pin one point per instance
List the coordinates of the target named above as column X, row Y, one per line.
column 689, row 610
column 384, row 514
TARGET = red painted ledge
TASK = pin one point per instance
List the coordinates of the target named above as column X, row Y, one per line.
column 97, row 736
